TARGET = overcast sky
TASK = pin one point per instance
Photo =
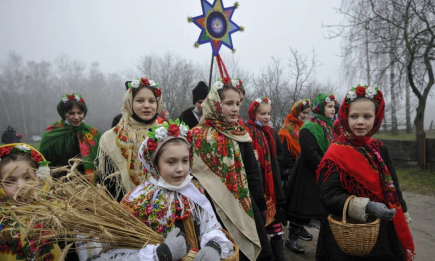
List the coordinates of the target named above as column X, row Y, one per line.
column 115, row 33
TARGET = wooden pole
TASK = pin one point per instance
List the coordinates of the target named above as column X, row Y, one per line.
column 211, row 71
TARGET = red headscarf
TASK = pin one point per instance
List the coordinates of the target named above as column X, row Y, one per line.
column 361, row 167
column 264, row 144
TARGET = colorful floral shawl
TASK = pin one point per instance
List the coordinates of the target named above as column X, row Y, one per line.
column 218, row 165
column 14, row 244
column 290, row 129
column 319, row 125
column 119, row 146
column 60, row 133
column 364, row 173
column 264, row 144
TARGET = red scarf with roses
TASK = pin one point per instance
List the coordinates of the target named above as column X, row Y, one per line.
column 218, row 165
column 362, row 170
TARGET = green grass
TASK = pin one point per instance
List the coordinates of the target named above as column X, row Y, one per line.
column 35, row 145
column 417, row 180
column 430, row 134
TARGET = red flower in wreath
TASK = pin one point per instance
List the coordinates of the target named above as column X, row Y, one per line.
column 240, row 82
column 256, row 104
column 360, row 91
column 332, row 97
column 174, row 130
column 145, row 81
column 5, row 151
column 71, row 97
column 379, row 97
column 226, row 80
column 266, row 100
column 151, row 145
column 36, row 156
column 81, row 100
column 189, row 136
column 158, row 92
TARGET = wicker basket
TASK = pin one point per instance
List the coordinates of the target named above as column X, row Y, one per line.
column 353, row 237
column 235, row 255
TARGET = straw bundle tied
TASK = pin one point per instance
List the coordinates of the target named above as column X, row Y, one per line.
column 74, row 210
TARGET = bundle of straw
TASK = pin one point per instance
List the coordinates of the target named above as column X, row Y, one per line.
column 73, row 207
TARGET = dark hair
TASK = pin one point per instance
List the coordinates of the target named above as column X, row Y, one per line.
column 362, row 98
column 136, row 90
column 173, row 142
column 69, row 105
column 18, row 157
column 226, row 88
column 304, row 107
column 242, row 89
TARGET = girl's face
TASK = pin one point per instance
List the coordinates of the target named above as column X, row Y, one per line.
column 231, row 106
column 173, row 163
column 361, row 117
column 304, row 114
column 75, row 116
column 22, row 174
column 145, row 104
column 330, row 110
column 263, row 114
column 167, row 116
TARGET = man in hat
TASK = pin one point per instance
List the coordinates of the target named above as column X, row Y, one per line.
column 11, row 136
column 193, row 114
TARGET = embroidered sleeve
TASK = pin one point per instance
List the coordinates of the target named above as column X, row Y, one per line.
column 209, row 230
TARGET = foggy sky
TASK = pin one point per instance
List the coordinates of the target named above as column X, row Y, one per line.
column 116, row 33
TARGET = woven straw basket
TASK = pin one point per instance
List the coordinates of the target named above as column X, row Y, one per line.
column 353, row 237
column 235, row 256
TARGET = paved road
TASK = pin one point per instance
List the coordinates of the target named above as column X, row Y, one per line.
column 422, row 211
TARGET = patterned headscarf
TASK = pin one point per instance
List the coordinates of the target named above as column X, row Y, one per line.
column 320, row 125
column 61, row 132
column 119, row 146
column 218, row 165
column 291, row 126
column 362, row 170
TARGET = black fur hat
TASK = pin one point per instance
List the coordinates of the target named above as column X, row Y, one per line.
column 200, row 92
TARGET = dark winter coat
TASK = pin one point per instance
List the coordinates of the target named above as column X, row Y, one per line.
column 255, row 186
column 333, row 197
column 63, row 159
column 189, row 118
column 116, row 120
column 288, row 162
column 10, row 136
column 301, row 193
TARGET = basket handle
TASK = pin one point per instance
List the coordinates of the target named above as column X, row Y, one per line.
column 345, row 207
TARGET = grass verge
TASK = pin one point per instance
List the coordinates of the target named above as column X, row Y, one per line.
column 417, row 180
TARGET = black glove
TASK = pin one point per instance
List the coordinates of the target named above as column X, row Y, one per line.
column 174, row 247
column 380, row 210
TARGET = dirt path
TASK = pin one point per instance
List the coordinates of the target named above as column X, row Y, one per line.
column 422, row 211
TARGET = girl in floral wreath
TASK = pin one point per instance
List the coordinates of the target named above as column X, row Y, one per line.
column 361, row 166
column 71, row 136
column 119, row 146
column 266, row 143
column 225, row 165
column 171, row 203
column 302, row 197
column 19, row 164
column 289, row 136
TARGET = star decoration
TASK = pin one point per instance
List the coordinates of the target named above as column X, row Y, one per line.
column 216, row 25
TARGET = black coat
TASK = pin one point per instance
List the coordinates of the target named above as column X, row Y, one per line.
column 10, row 136
column 333, row 197
column 288, row 161
column 255, row 186
column 116, row 120
column 302, row 196
column 189, row 118
column 62, row 160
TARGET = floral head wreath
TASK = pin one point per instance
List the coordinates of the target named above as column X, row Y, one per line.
column 261, row 100
column 305, row 102
column 43, row 169
column 326, row 100
column 235, row 82
column 72, row 97
column 159, row 136
column 145, row 82
column 364, row 91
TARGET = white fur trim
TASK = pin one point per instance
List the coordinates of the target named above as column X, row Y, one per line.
column 357, row 208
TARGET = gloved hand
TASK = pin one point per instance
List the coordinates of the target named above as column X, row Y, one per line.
column 210, row 252
column 380, row 210
column 174, row 247
column 407, row 218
